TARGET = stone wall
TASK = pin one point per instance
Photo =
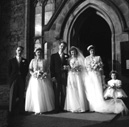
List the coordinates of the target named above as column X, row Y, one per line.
column 123, row 5
column 11, row 32
column 121, row 9
column 12, row 28
column 4, row 102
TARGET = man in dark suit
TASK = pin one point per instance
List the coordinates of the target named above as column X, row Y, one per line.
column 17, row 69
column 58, row 69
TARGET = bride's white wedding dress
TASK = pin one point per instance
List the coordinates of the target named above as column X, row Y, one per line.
column 76, row 100
column 39, row 94
column 94, row 90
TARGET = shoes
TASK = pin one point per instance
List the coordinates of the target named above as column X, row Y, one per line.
column 92, row 111
column 39, row 113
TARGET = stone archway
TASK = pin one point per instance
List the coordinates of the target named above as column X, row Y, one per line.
column 108, row 14
column 90, row 28
column 112, row 14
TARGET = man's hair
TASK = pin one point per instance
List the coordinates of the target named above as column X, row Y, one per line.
column 61, row 41
column 20, row 47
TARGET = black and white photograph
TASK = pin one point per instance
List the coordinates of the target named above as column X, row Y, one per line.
column 64, row 63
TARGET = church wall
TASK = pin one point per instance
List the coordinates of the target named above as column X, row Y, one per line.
column 121, row 33
column 11, row 33
column 12, row 29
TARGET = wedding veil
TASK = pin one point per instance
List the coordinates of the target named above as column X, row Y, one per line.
column 80, row 56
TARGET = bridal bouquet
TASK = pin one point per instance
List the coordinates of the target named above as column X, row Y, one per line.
column 77, row 68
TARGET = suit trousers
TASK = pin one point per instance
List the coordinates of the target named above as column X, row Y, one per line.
column 17, row 90
column 60, row 92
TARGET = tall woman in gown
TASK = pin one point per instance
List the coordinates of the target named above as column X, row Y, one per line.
column 76, row 100
column 94, row 90
column 39, row 94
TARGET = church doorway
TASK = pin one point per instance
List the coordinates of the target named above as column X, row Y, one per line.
column 90, row 28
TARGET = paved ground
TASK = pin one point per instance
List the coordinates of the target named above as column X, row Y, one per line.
column 69, row 120
column 58, row 120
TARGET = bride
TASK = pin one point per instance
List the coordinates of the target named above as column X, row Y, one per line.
column 75, row 97
column 93, row 85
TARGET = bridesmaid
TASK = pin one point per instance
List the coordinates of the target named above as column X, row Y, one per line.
column 114, row 89
column 94, row 89
column 39, row 94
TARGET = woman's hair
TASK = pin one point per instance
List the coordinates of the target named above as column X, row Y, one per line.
column 38, row 49
column 73, row 49
column 113, row 72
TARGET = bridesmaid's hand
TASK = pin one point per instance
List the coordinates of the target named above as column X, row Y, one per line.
column 44, row 75
column 34, row 74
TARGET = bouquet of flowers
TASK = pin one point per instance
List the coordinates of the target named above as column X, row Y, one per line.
column 115, row 86
column 95, row 66
column 40, row 74
column 77, row 68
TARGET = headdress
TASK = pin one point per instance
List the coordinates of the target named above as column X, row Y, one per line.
column 36, row 49
column 90, row 47
column 79, row 56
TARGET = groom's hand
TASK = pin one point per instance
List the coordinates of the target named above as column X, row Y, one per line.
column 53, row 79
column 66, row 67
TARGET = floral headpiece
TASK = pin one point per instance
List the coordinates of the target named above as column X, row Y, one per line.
column 90, row 47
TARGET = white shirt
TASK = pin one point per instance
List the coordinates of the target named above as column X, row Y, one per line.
column 18, row 59
column 61, row 54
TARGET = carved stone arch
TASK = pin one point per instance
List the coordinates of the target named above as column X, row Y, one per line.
column 105, row 6
column 108, row 13
column 107, row 10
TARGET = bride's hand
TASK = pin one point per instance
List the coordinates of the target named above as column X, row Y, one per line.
column 34, row 74
column 53, row 79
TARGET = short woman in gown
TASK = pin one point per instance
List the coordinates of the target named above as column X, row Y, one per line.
column 39, row 94
column 76, row 100
column 114, row 89
column 94, row 88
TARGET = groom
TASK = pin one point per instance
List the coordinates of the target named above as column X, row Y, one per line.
column 58, row 69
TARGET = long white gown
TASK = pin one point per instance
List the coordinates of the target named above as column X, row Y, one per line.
column 76, row 100
column 39, row 94
column 94, row 90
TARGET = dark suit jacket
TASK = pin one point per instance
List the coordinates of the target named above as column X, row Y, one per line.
column 14, row 69
column 56, row 65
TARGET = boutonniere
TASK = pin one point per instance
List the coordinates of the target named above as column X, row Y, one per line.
column 65, row 56
column 23, row 61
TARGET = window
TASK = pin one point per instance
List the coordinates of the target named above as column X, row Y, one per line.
column 38, row 20
column 44, row 10
column 49, row 10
